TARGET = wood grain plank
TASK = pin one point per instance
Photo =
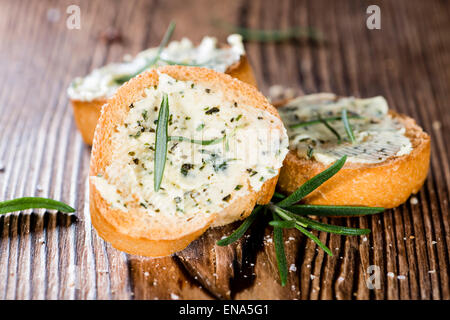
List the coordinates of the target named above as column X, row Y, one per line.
column 44, row 255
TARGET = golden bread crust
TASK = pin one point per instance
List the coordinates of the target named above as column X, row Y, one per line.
column 387, row 184
column 135, row 231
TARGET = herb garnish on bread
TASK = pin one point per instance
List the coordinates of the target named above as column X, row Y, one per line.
column 388, row 153
column 225, row 146
column 88, row 94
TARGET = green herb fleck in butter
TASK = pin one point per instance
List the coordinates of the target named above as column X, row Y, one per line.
column 378, row 135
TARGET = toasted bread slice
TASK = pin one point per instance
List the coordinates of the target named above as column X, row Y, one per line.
column 87, row 112
column 136, row 224
column 386, row 184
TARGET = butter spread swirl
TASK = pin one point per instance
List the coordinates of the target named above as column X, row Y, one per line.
column 197, row 178
column 101, row 83
column 378, row 135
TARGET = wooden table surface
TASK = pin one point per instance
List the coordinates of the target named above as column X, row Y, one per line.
column 57, row 256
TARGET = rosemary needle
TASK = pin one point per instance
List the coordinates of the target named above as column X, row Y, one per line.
column 315, row 239
column 329, row 211
column 279, row 251
column 287, row 215
column 161, row 141
column 326, row 124
column 153, row 61
column 202, row 142
column 239, row 232
column 283, row 224
column 317, row 121
column 312, row 184
column 33, row 203
column 293, row 33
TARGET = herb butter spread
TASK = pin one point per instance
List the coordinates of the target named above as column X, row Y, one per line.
column 249, row 146
column 378, row 136
column 102, row 83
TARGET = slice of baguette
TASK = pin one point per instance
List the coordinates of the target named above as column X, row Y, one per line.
column 137, row 232
column 387, row 184
column 86, row 113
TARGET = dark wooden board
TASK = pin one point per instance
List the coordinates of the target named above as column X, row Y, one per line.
column 44, row 255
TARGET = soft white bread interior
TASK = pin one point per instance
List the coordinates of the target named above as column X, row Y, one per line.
column 384, row 184
column 127, row 214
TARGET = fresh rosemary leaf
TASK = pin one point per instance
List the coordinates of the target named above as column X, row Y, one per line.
column 328, row 119
column 283, row 224
column 153, row 61
column 33, row 203
column 309, row 223
column 326, row 124
column 294, row 33
column 166, row 37
column 161, row 142
column 315, row 239
column 347, row 126
column 290, row 217
column 239, row 232
column 279, row 251
column 312, row 184
column 346, row 231
column 202, row 142
column 329, row 211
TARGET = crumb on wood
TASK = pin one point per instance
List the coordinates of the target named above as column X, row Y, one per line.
column 437, row 125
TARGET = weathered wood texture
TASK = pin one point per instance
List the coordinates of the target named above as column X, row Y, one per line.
column 56, row 256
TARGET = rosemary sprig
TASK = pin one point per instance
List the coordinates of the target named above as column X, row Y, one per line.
column 347, row 126
column 286, row 215
column 33, row 203
column 326, row 124
column 161, row 142
column 315, row 239
column 239, row 232
column 155, row 59
column 193, row 64
column 202, row 142
column 288, row 224
column 328, row 119
column 309, row 223
column 293, row 33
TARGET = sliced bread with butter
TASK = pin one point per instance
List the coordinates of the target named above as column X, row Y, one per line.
column 225, row 148
column 88, row 94
column 388, row 155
